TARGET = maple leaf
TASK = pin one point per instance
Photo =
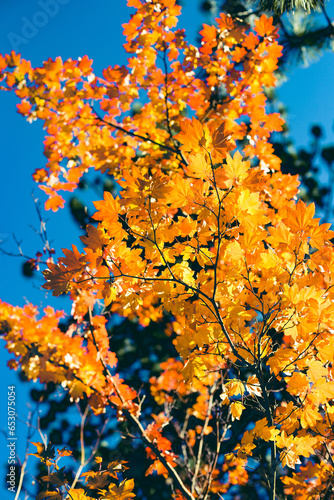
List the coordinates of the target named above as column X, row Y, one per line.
column 73, row 260
column 134, row 3
column 236, row 169
column 182, row 193
column 95, row 238
column 199, row 166
column 298, row 384
column 109, row 293
column 121, row 492
column 235, row 388
column 316, row 370
column 193, row 136
column 116, row 466
column 290, row 458
column 193, row 368
column 108, row 209
column 222, row 139
column 270, row 259
column 96, row 479
column 274, row 122
column 157, row 467
column 309, row 417
column 264, row 26
column 300, row 218
column 57, row 478
column 238, row 54
column 58, row 279
column 253, row 385
column 262, row 430
column 45, row 454
column 324, row 389
column 280, row 234
column 78, row 494
column 306, row 445
column 225, row 21
column 24, row 107
column 64, row 452
column 319, row 235
column 250, row 41
column 236, row 410
column 209, row 34
column 55, row 201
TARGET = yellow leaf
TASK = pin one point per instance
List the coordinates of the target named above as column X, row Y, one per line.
column 305, row 445
column 236, row 410
column 253, row 386
column 109, row 293
column 222, row 139
column 289, row 458
column 316, row 371
column 324, row 389
column 309, row 417
column 193, row 368
column 262, row 430
column 78, row 494
column 269, row 259
column 249, row 202
column 235, row 387
column 121, row 492
column 236, row 169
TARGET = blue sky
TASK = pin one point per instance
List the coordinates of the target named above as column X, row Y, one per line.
column 73, row 28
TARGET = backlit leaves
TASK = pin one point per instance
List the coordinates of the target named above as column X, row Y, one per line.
column 45, row 454
column 121, row 492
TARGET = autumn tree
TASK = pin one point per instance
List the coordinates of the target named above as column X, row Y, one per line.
column 206, row 236
column 306, row 29
column 306, row 32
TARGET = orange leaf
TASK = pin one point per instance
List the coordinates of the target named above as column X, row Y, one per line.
column 95, row 238
column 309, row 417
column 300, row 217
column 73, row 260
column 199, row 166
column 236, row 169
column 264, row 26
column 108, row 209
column 316, row 371
column 222, row 139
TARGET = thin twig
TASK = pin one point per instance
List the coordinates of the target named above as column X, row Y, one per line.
column 201, row 441
column 82, row 446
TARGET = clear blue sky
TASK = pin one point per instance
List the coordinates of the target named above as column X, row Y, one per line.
column 71, row 29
